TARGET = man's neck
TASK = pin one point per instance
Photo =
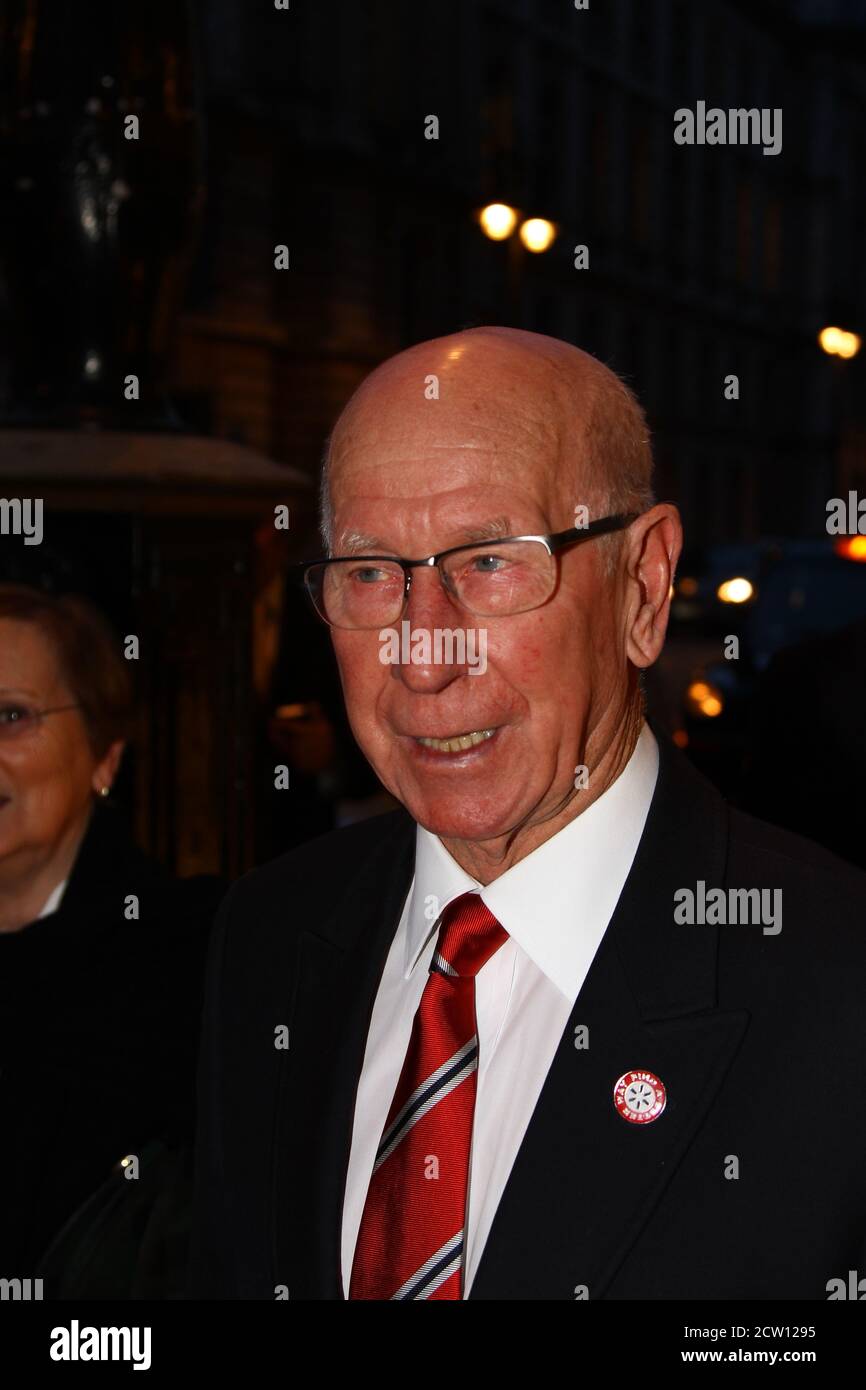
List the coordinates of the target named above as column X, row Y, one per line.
column 486, row 860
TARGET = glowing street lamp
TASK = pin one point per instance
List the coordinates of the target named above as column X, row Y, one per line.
column 498, row 221
column 537, row 234
column 738, row 590
column 851, row 547
column 837, row 342
column 704, row 700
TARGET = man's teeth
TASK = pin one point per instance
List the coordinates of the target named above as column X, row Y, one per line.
column 459, row 742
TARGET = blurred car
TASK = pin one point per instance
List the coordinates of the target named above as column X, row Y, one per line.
column 734, row 607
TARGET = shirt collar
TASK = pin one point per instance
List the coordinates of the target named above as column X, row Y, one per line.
column 53, row 901
column 556, row 903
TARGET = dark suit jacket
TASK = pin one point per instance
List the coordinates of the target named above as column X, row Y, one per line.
column 759, row 1040
column 99, row 1022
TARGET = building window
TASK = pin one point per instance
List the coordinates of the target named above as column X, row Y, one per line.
column 681, row 46
column 549, row 141
column 600, row 158
column 744, row 230
column 643, row 41
column 772, row 242
column 640, row 154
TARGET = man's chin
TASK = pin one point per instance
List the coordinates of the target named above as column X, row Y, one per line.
column 460, row 822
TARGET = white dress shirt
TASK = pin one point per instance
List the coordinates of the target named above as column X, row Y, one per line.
column 53, row 901
column 555, row 906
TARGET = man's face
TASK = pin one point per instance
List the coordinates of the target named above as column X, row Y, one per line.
column 416, row 478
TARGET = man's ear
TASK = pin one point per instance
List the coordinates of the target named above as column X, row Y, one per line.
column 654, row 543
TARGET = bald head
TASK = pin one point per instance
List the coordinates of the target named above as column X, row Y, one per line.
column 501, row 394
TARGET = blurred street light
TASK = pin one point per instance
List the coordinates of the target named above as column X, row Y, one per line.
column 537, row 234
column 704, row 700
column 738, row 590
column 498, row 221
column 851, row 547
column 837, row 342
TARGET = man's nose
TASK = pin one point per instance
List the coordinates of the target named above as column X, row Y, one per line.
column 430, row 612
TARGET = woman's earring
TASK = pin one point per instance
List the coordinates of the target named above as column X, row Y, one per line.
column 104, row 791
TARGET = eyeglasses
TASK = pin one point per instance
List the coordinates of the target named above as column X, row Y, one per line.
column 493, row 579
column 17, row 720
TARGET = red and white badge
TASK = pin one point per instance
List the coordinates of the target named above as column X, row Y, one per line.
column 639, row 1097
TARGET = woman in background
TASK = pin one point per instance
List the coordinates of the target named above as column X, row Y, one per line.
column 101, row 961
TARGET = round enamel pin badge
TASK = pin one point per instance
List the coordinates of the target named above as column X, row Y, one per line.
column 639, row 1097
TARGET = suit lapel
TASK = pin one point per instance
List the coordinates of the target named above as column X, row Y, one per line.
column 336, row 979
column 585, row 1181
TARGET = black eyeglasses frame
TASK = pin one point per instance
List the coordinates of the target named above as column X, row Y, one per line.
column 554, row 541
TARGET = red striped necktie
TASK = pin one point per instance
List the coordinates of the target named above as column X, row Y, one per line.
column 411, row 1238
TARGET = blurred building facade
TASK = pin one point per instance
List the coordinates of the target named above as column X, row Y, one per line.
column 703, row 261
column 306, row 128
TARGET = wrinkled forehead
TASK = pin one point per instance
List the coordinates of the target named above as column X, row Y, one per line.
column 407, row 431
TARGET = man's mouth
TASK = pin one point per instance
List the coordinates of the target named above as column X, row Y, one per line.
column 458, row 743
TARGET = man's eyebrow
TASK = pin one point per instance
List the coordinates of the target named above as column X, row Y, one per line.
column 488, row 530
column 496, row 529
column 356, row 540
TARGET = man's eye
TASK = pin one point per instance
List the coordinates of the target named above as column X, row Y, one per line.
column 370, row 575
column 487, row 564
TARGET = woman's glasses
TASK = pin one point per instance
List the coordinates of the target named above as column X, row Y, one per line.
column 18, row 719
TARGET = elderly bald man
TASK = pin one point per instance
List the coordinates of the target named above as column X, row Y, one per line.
column 566, row 1026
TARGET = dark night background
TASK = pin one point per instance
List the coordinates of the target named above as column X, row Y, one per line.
column 305, row 127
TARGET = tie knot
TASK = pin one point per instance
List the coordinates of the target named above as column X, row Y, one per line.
column 468, row 936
